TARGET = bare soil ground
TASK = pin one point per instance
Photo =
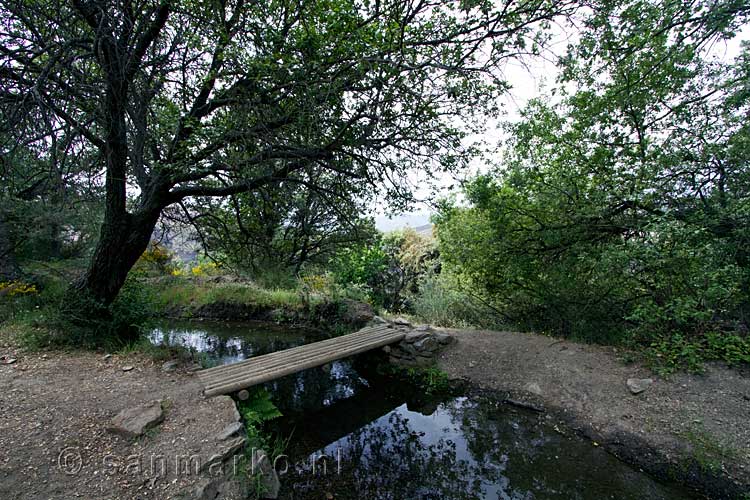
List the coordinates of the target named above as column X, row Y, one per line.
column 693, row 428
column 57, row 406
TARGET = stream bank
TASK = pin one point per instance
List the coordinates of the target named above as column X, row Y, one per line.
column 694, row 429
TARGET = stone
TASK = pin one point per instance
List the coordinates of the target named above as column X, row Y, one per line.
column 106, row 357
column 170, row 366
column 638, row 385
column 133, row 422
column 413, row 336
column 262, row 465
column 427, row 344
column 387, row 349
column 533, row 388
column 225, row 452
column 10, row 361
column 229, row 431
column 377, row 320
column 244, row 395
column 445, row 339
column 222, row 487
column 408, row 348
column 207, row 489
column 358, row 313
column 423, row 328
column 401, row 322
column 127, row 368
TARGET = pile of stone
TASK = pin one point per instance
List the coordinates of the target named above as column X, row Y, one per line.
column 420, row 347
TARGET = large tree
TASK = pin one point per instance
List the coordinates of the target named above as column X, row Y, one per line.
column 219, row 97
column 280, row 226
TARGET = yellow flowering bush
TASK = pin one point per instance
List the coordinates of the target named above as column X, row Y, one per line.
column 204, row 269
column 157, row 258
column 17, row 288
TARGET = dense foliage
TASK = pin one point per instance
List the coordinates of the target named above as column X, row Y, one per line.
column 185, row 100
column 621, row 207
column 388, row 269
column 282, row 226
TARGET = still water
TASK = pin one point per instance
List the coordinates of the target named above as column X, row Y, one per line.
column 353, row 434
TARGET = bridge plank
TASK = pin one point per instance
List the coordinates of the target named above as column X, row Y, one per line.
column 257, row 370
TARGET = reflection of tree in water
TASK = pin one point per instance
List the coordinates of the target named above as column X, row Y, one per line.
column 472, row 450
column 316, row 387
column 538, row 462
column 389, row 460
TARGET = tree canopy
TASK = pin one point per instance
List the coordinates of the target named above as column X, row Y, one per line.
column 623, row 203
column 213, row 98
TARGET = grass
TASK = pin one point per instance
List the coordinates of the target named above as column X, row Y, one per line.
column 192, row 294
column 708, row 452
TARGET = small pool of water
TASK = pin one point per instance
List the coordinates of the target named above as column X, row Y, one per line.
column 226, row 343
column 461, row 448
column 367, row 437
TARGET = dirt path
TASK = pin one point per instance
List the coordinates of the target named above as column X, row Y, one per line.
column 695, row 428
column 56, row 408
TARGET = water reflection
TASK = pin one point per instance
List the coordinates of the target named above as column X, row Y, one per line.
column 462, row 449
column 226, row 343
column 393, row 444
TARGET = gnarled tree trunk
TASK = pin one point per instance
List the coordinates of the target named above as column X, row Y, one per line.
column 9, row 269
column 121, row 243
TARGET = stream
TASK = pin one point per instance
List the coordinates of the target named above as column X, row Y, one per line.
column 353, row 434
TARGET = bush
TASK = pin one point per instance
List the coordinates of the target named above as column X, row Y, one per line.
column 440, row 303
column 157, row 258
column 675, row 352
column 78, row 321
column 389, row 269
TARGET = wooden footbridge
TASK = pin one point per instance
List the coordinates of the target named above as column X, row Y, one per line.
column 232, row 378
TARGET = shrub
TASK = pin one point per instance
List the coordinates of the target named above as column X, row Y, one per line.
column 78, row 321
column 157, row 258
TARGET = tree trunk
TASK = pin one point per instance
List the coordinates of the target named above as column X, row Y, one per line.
column 9, row 269
column 121, row 243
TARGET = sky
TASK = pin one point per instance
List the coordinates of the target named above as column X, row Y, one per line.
column 528, row 82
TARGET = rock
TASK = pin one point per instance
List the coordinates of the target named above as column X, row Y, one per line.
column 10, row 361
column 106, row 357
column 222, row 487
column 445, row 339
column 533, row 388
column 269, row 480
column 387, row 349
column 225, row 452
column 244, row 395
column 638, row 385
column 133, row 422
column 408, row 349
column 127, row 368
column 207, row 489
column 170, row 366
column 229, row 431
column 413, row 336
column 423, row 328
column 358, row 313
column 428, row 344
column 401, row 322
column 377, row 320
